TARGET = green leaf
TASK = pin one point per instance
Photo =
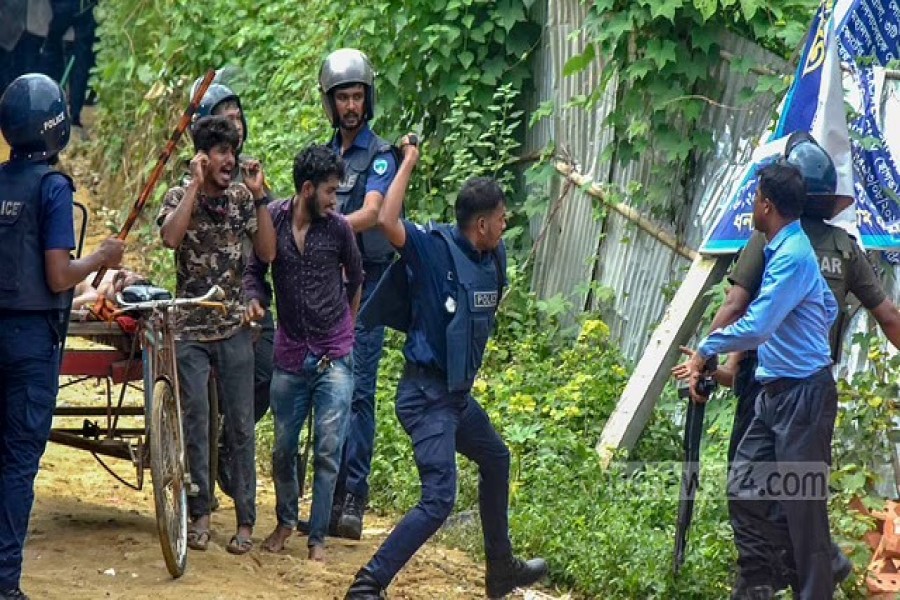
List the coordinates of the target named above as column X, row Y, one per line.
column 466, row 59
column 665, row 9
column 579, row 62
column 508, row 13
column 749, row 8
column 662, row 52
column 707, row 8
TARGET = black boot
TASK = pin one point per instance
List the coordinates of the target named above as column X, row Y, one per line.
column 365, row 587
column 504, row 575
column 14, row 594
column 755, row 592
column 303, row 526
column 841, row 567
column 351, row 521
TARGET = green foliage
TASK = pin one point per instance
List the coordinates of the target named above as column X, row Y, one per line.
column 429, row 52
column 439, row 62
column 663, row 57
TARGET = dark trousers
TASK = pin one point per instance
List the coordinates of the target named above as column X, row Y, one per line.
column 356, row 462
column 79, row 15
column 233, row 360
column 441, row 424
column 22, row 59
column 788, row 439
column 263, row 357
column 29, row 381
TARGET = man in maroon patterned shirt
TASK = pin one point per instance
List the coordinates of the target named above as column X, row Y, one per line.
column 316, row 250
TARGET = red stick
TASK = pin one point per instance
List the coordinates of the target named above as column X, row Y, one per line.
column 161, row 163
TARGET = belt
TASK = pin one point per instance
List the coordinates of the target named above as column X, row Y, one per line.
column 417, row 370
column 783, row 384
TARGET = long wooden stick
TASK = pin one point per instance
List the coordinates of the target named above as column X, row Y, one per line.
column 161, row 163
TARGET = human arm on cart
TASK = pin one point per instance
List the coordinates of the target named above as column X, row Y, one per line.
column 64, row 273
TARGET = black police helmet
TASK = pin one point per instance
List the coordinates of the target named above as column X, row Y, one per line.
column 815, row 165
column 34, row 118
column 819, row 175
column 216, row 94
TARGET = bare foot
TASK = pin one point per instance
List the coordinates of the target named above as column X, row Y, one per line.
column 317, row 552
column 276, row 540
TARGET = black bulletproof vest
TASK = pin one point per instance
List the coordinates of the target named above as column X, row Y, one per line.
column 373, row 245
column 23, row 284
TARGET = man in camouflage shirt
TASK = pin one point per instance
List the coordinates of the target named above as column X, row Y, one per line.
column 206, row 222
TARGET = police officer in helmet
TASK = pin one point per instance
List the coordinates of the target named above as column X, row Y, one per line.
column 37, row 275
column 845, row 269
column 444, row 292
column 347, row 85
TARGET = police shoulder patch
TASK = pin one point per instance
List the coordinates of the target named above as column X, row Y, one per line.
column 380, row 166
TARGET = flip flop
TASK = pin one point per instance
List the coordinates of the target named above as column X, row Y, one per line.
column 198, row 539
column 239, row 545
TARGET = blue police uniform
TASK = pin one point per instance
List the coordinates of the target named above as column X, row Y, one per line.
column 35, row 216
column 370, row 166
column 452, row 292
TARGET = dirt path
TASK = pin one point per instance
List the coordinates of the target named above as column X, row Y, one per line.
column 91, row 537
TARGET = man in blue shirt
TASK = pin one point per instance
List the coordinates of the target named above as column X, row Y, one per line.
column 37, row 275
column 453, row 279
column 790, row 435
column 347, row 84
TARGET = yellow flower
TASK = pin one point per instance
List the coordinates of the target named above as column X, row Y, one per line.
column 480, row 386
column 593, row 329
column 573, row 411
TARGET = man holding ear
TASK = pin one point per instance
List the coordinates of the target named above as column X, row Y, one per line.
column 206, row 222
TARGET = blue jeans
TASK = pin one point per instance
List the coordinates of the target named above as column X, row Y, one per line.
column 441, row 424
column 29, row 382
column 356, row 460
column 327, row 392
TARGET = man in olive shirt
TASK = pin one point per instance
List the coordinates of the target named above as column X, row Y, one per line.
column 845, row 268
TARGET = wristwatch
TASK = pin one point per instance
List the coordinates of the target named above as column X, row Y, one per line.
column 261, row 202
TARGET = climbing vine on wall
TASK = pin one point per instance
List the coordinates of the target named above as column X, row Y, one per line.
column 661, row 57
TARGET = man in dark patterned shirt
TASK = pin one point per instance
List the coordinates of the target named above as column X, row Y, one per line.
column 316, row 250
column 205, row 223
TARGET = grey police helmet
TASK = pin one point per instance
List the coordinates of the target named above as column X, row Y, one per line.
column 342, row 67
column 819, row 174
column 34, row 118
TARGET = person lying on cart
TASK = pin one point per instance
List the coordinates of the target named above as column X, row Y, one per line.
column 113, row 282
column 205, row 223
column 37, row 275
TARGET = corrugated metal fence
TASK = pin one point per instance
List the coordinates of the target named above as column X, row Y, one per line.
column 578, row 248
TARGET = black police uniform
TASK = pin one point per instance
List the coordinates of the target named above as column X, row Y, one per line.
column 32, row 317
column 444, row 294
column 368, row 154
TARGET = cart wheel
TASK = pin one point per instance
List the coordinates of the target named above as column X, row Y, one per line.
column 167, row 469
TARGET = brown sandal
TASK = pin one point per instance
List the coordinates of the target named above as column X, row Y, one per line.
column 198, row 539
column 239, row 545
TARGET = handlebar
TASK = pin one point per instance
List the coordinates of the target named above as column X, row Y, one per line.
column 211, row 299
